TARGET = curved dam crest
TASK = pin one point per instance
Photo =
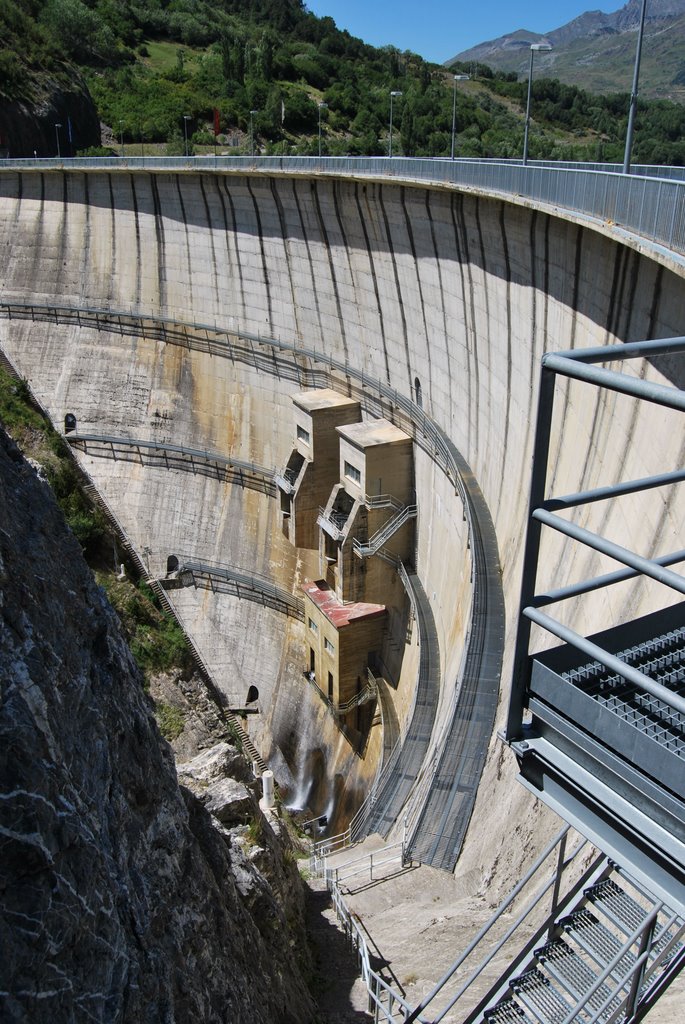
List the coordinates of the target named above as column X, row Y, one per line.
column 462, row 292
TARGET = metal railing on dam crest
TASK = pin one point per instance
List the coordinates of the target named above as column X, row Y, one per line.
column 648, row 202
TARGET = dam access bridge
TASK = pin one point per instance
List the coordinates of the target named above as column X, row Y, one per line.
column 431, row 289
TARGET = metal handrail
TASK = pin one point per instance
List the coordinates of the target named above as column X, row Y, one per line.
column 581, row 365
column 385, row 532
column 74, row 437
column 250, row 580
column 366, row 860
column 376, row 985
column 366, row 694
column 382, row 501
column 556, row 844
column 648, row 203
column 336, row 519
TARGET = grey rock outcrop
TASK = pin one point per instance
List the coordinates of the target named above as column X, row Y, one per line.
column 120, row 898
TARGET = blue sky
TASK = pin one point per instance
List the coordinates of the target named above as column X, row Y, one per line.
column 438, row 29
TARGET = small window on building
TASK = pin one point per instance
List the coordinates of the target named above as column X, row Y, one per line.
column 313, row 626
column 353, row 473
column 417, row 392
column 302, row 434
column 328, row 645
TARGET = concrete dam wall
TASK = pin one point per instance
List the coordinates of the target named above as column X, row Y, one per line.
column 449, row 297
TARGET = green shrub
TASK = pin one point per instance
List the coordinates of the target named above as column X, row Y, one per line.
column 170, row 719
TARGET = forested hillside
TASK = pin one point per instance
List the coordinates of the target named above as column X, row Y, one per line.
column 268, row 73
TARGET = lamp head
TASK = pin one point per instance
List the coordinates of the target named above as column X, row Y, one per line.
column 541, row 46
column 462, row 78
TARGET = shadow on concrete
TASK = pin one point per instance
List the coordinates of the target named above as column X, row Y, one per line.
column 336, row 965
column 379, row 881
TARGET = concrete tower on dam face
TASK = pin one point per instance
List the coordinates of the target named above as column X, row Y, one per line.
column 446, row 296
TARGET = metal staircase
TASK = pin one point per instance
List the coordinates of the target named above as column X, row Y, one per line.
column 606, row 961
column 381, row 536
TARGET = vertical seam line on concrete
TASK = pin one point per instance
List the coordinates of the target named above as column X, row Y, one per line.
column 161, row 247
column 136, row 225
column 265, row 269
column 63, row 236
column 507, row 306
column 417, row 270
column 305, row 236
column 443, row 304
column 335, row 186
column 393, row 261
column 491, row 416
column 656, row 298
column 187, row 237
column 113, row 242
column 210, row 232
column 286, row 249
column 470, row 340
column 580, row 235
column 85, row 252
column 234, row 234
column 372, row 269
column 331, row 267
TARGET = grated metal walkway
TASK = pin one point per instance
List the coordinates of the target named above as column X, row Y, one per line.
column 393, row 794
column 174, row 456
column 229, row 579
column 439, row 834
column 663, row 660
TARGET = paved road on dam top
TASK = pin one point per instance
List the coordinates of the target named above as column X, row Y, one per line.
column 447, row 805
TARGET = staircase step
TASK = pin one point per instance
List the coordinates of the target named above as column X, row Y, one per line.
column 596, row 940
column 538, row 994
column 616, row 905
column 576, row 976
column 506, row 1012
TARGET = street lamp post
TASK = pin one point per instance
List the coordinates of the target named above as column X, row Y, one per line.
column 57, row 128
column 457, row 78
column 322, row 106
column 121, row 135
column 633, row 94
column 395, row 92
column 186, row 118
column 252, row 114
column 533, row 48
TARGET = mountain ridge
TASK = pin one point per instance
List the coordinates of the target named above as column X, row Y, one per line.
column 596, row 50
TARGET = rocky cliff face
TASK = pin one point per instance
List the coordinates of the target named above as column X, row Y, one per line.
column 121, row 898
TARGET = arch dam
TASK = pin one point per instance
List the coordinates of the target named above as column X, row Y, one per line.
column 182, row 304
